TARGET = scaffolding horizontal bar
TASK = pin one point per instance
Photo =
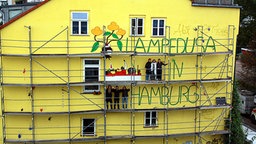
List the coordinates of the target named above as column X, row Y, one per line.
column 120, row 82
column 130, row 53
column 120, row 110
column 133, row 137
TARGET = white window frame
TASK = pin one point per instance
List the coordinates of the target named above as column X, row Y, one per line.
column 189, row 142
column 135, row 28
column 79, row 23
column 90, row 125
column 150, row 118
column 158, row 27
column 91, row 66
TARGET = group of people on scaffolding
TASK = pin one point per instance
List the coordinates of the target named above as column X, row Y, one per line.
column 154, row 69
column 116, row 91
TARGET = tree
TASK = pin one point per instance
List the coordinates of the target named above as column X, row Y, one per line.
column 247, row 21
column 247, row 39
column 237, row 133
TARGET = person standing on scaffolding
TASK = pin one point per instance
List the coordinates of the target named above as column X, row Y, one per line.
column 109, row 96
column 125, row 97
column 153, row 70
column 148, row 69
column 159, row 65
column 116, row 97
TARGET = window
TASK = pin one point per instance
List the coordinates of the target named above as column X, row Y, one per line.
column 79, row 23
column 150, row 118
column 88, row 127
column 158, row 27
column 137, row 26
column 189, row 142
column 91, row 74
column 14, row 12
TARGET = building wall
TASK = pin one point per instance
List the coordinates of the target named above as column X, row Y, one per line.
column 52, row 110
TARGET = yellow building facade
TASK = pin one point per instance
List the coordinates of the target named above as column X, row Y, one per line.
column 58, row 59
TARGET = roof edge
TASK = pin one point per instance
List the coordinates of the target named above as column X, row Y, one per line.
column 23, row 14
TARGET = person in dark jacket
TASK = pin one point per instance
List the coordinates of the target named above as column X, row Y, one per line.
column 159, row 65
column 125, row 97
column 116, row 97
column 148, row 69
column 109, row 96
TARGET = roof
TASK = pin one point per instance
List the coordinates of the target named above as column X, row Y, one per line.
column 23, row 14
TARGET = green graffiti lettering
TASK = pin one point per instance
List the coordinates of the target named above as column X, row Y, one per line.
column 183, row 43
column 153, row 93
column 212, row 45
column 195, row 95
column 164, row 98
column 165, row 43
column 139, row 97
column 175, row 67
column 166, row 95
column 192, row 47
column 140, row 45
column 172, row 46
column 154, row 44
column 200, row 38
column 171, row 97
column 145, row 93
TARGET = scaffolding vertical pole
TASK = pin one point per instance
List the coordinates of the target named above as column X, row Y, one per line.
column 168, row 29
column 2, row 93
column 68, row 86
column 199, row 33
column 231, row 28
column 31, row 84
column 105, row 86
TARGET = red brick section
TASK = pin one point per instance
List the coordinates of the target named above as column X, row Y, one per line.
column 23, row 14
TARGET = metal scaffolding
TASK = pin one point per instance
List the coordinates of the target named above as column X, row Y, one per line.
column 218, row 76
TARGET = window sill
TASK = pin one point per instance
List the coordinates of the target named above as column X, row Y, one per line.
column 89, row 135
column 91, row 93
column 80, row 35
column 153, row 126
column 158, row 36
column 137, row 35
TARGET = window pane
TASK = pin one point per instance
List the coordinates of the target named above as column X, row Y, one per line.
column 133, row 22
column 153, row 114
column 161, row 31
column 161, row 23
column 91, row 74
column 154, row 31
column 91, row 88
column 140, row 22
column 75, row 28
column 79, row 16
column 147, row 122
column 15, row 12
column 88, row 126
column 91, row 62
column 153, row 122
column 83, row 27
column 133, row 30
column 140, row 30
column 147, row 114
column 155, row 23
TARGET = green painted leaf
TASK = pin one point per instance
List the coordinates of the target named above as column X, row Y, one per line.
column 120, row 45
column 107, row 33
column 115, row 36
column 95, row 46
